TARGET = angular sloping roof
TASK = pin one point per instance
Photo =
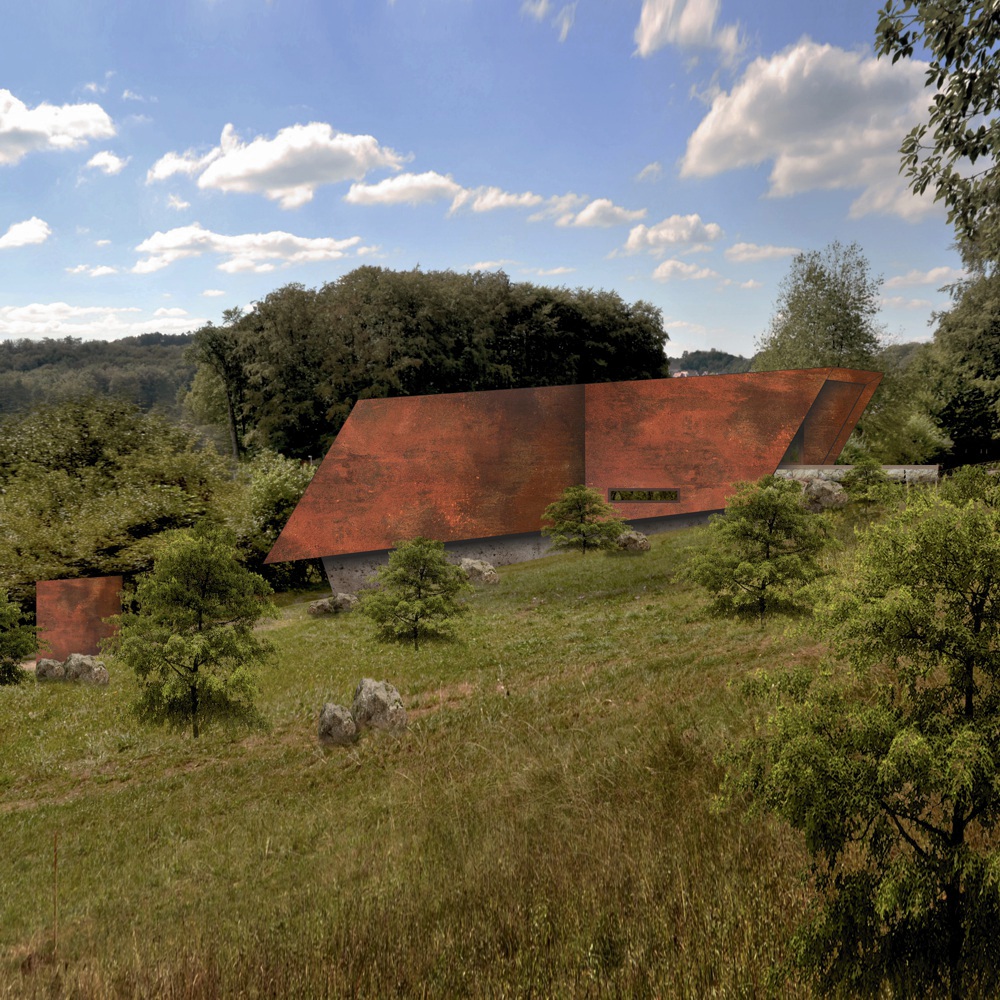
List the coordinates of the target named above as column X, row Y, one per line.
column 484, row 464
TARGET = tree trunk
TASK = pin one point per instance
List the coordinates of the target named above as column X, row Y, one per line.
column 234, row 437
column 194, row 711
column 954, row 911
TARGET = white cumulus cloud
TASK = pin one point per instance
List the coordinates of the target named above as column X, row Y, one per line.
column 22, row 234
column 674, row 231
column 60, row 319
column 213, row 293
column 287, row 168
column 900, row 302
column 604, row 213
column 824, row 118
column 935, row 276
column 94, row 272
column 679, row 270
column 487, row 199
column 745, row 253
column 26, row 130
column 176, row 202
column 406, row 189
column 107, row 162
column 686, row 23
column 257, row 252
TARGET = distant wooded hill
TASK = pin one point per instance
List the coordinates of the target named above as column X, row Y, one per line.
column 149, row 370
column 711, row 362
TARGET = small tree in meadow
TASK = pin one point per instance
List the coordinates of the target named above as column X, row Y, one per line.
column 417, row 594
column 582, row 519
column 868, row 485
column 762, row 551
column 191, row 639
column 18, row 641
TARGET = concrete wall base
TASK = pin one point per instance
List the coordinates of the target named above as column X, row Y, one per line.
column 349, row 573
column 909, row 474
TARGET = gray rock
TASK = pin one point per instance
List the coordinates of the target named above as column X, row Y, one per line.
column 632, row 541
column 76, row 667
column 49, row 670
column 480, row 571
column 333, row 605
column 824, row 494
column 336, row 726
column 87, row 669
column 377, row 704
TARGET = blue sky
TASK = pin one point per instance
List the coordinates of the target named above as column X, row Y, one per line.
column 160, row 163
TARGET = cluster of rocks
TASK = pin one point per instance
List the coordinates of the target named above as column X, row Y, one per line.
column 335, row 605
column 76, row 667
column 376, row 705
column 632, row 541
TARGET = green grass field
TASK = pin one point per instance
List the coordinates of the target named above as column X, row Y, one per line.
column 548, row 826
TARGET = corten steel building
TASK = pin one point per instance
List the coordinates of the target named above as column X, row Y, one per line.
column 476, row 469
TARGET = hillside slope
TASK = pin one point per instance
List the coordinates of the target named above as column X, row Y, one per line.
column 546, row 826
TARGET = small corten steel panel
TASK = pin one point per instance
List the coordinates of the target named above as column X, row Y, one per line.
column 72, row 613
column 485, row 464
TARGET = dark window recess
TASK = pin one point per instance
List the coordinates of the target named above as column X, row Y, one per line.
column 643, row 496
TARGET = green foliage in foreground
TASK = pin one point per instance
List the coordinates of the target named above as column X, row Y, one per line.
column 554, row 838
column 582, row 519
column 893, row 775
column 417, row 594
column 18, row 641
column 191, row 639
column 761, row 552
column 86, row 486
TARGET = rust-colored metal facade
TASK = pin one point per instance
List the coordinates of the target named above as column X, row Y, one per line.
column 72, row 612
column 479, row 465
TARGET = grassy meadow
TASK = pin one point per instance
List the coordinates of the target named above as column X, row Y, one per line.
column 548, row 826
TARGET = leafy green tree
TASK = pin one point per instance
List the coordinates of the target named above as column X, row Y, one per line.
column 892, row 772
column 418, row 593
column 826, row 313
column 582, row 519
column 18, row 641
column 970, row 483
column 965, row 370
column 272, row 486
column 294, row 365
column 761, row 552
column 955, row 152
column 86, row 487
column 190, row 638
column 218, row 350
column 901, row 426
column 868, row 485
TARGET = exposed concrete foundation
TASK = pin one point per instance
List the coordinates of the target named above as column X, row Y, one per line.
column 349, row 573
column 908, row 474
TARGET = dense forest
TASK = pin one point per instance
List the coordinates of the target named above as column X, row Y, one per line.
column 285, row 375
column 150, row 370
